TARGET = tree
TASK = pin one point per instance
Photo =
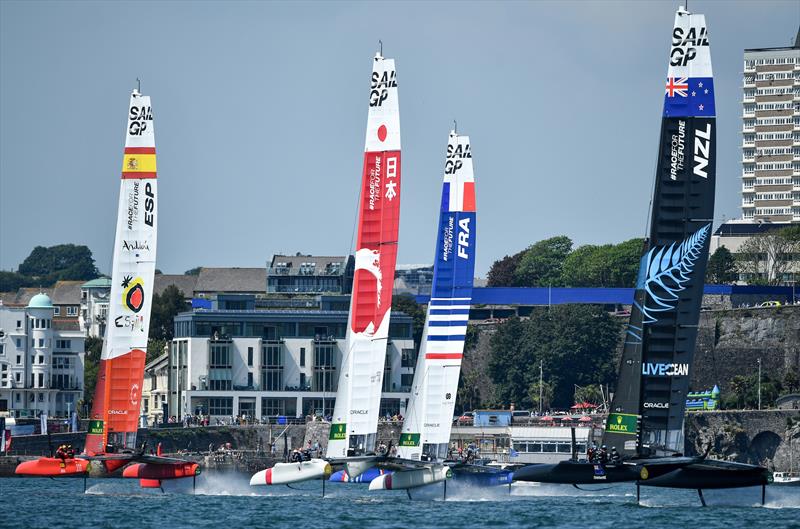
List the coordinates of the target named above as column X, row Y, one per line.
column 60, row 262
column 165, row 307
column 766, row 257
column 407, row 304
column 575, row 344
column 193, row 271
column 546, row 394
column 542, row 262
column 93, row 347
column 12, row 281
column 591, row 393
column 609, row 265
column 721, row 267
column 155, row 348
column 501, row 273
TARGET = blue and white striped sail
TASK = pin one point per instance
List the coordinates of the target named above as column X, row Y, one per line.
column 429, row 415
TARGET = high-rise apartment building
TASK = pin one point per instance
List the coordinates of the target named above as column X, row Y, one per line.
column 771, row 143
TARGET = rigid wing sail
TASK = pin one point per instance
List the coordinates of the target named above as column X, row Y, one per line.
column 355, row 417
column 425, row 436
column 646, row 419
column 114, row 419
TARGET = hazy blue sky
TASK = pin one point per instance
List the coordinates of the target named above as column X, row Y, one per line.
column 260, row 110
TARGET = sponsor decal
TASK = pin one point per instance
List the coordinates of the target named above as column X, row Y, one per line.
column 447, row 239
column 359, row 412
column 139, row 118
column 656, row 405
column 448, row 396
column 449, row 473
column 431, row 425
column 131, row 246
column 676, row 151
column 118, row 412
column 133, row 293
column 133, row 205
column 665, row 370
column 624, row 423
column 409, row 439
column 702, row 147
column 135, row 394
column 338, row 432
column 375, row 182
column 134, row 323
column 630, row 445
column 644, row 474
column 96, row 427
column 463, row 238
column 379, row 88
column 685, row 44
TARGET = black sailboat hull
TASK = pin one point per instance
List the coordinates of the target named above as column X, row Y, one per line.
column 584, row 473
column 711, row 475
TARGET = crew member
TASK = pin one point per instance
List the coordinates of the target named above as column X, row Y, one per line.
column 615, row 457
column 603, row 455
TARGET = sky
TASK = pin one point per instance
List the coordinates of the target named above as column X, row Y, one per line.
column 260, row 110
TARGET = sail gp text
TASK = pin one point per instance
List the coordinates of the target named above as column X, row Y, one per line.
column 379, row 88
column 139, row 116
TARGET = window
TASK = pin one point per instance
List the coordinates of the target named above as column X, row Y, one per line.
column 250, row 356
column 72, row 311
column 220, row 370
column 406, row 379
column 272, row 367
column 19, row 324
column 41, row 359
column 63, row 344
column 324, row 367
column 18, row 378
column 271, row 407
column 57, row 311
column 220, row 406
column 19, row 343
column 302, row 357
column 408, row 358
column 249, row 379
column 2, row 349
column 41, row 380
column 41, row 342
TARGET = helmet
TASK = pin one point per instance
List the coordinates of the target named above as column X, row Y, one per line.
column 603, row 447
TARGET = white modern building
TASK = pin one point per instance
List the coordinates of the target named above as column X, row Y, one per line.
column 771, row 134
column 266, row 363
column 94, row 306
column 41, row 360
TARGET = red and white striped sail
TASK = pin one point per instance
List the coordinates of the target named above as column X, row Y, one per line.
column 117, row 397
column 355, row 415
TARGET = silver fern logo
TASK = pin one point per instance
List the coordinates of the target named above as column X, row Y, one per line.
column 664, row 272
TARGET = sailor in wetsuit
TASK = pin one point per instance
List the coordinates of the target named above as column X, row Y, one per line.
column 64, row 452
column 603, row 456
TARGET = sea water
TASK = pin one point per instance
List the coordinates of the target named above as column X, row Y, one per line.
column 223, row 501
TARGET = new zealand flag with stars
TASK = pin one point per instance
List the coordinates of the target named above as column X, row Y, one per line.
column 692, row 96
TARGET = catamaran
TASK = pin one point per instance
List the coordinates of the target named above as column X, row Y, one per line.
column 645, row 423
column 425, row 435
column 353, row 433
column 111, row 439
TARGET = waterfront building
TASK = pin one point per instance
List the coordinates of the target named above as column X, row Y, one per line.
column 771, row 134
column 227, row 362
column 413, row 279
column 41, row 359
column 94, row 306
column 310, row 274
column 155, row 389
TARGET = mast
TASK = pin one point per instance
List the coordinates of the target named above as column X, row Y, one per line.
column 115, row 410
column 355, row 414
column 647, row 412
column 426, row 428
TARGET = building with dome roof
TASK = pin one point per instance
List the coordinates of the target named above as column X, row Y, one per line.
column 41, row 361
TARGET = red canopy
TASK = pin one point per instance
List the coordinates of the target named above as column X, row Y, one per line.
column 546, row 418
column 585, row 418
column 583, row 406
column 566, row 418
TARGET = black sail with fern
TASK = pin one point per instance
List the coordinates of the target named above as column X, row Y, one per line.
column 647, row 411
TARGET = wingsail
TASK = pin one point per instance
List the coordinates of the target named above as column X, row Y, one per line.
column 647, row 412
column 355, row 415
column 115, row 410
column 426, row 428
